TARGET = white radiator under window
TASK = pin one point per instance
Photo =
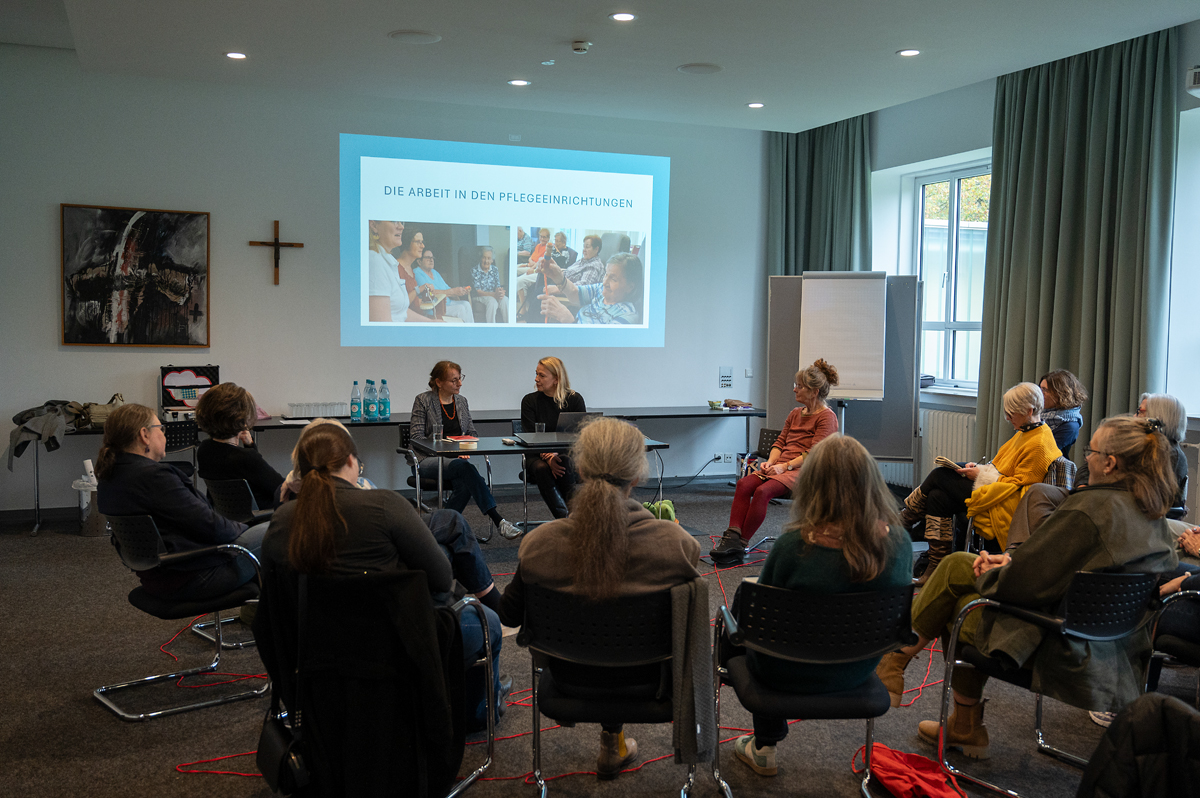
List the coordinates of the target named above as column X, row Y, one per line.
column 943, row 432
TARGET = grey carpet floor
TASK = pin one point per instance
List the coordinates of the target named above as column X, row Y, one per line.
column 67, row 628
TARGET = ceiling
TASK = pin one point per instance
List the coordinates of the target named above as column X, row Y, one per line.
column 809, row 62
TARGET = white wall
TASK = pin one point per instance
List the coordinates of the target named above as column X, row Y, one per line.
column 250, row 156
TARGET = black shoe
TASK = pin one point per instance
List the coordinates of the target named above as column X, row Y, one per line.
column 731, row 549
column 506, row 686
column 920, row 564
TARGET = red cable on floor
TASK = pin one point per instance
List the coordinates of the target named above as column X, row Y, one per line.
column 182, row 768
column 238, row 676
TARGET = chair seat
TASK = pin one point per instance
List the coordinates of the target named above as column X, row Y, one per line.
column 996, row 669
column 427, row 483
column 869, row 701
column 1183, row 650
column 169, row 610
column 580, row 708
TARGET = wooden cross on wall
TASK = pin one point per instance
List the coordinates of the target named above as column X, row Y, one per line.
column 277, row 244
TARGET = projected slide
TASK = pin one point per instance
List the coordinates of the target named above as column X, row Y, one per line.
column 455, row 244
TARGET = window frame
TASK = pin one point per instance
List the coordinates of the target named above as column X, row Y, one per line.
column 947, row 327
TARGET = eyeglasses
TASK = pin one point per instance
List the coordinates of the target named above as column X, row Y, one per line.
column 457, row 380
column 153, row 426
column 426, row 257
column 1087, row 450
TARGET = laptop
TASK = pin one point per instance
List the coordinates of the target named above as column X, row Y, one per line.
column 571, row 422
column 563, row 439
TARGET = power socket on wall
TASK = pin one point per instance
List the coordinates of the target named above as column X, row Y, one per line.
column 723, row 457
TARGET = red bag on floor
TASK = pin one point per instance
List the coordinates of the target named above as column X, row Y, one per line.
column 908, row 775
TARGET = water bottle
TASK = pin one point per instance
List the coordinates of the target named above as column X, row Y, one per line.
column 385, row 402
column 371, row 403
column 355, row 404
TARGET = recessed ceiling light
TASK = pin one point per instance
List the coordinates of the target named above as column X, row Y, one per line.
column 548, row 63
column 622, row 17
column 699, row 69
column 518, row 83
column 415, row 36
column 909, row 53
column 236, row 56
column 754, row 105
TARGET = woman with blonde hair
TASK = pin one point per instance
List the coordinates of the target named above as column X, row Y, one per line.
column 844, row 537
column 806, row 426
column 1114, row 524
column 335, row 528
column 609, row 546
column 987, row 493
column 552, row 472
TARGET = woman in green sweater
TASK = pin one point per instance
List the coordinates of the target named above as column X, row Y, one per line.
column 844, row 537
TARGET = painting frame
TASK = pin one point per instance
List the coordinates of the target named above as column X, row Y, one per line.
column 135, row 277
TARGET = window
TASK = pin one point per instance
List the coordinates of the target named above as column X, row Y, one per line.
column 951, row 240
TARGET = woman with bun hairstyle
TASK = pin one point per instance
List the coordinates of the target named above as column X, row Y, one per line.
column 806, row 426
column 133, row 481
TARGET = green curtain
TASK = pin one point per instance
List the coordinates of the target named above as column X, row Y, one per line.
column 1079, row 235
column 819, row 199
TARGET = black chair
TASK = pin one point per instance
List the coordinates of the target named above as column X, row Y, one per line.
column 525, row 524
column 626, row 632
column 766, row 437
column 817, row 628
column 1098, row 607
column 234, row 499
column 182, row 436
column 1182, row 649
column 375, row 683
column 1061, row 473
column 431, row 483
column 141, row 548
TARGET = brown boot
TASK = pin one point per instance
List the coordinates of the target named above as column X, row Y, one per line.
column 964, row 730
column 914, row 509
column 940, row 534
column 617, row 752
column 890, row 671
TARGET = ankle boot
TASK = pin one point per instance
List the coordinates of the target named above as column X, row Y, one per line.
column 964, row 729
column 939, row 532
column 890, row 671
column 913, row 510
column 731, row 549
column 617, row 752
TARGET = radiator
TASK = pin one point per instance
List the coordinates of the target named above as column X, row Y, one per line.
column 943, row 432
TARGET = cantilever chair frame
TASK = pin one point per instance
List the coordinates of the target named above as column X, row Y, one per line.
column 1183, row 595
column 798, row 626
column 1131, row 614
column 571, row 635
column 766, row 437
column 142, row 560
column 493, row 699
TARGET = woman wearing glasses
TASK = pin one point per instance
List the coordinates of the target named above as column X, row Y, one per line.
column 134, row 481
column 444, row 404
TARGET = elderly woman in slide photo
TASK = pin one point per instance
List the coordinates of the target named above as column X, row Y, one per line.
column 489, row 295
column 617, row 300
column 433, row 284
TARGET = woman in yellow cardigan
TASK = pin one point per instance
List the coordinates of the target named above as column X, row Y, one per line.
column 987, row 493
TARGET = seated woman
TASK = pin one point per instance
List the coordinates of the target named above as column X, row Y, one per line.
column 844, row 537
column 560, row 253
column 1062, row 396
column 444, row 404
column 609, row 546
column 133, row 481
column 618, row 300
column 334, row 528
column 488, row 292
column 391, row 286
column 227, row 412
column 1116, row 523
column 806, row 426
column 990, row 493
column 433, row 285
column 551, row 472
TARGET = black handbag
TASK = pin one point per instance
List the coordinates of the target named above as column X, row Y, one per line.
column 280, row 756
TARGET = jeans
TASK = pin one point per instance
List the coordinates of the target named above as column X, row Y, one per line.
column 476, row 681
column 454, row 535
column 464, row 482
column 226, row 577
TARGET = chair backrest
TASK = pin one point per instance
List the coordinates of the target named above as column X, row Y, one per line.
column 620, row 632
column 823, row 627
column 766, row 437
column 1061, row 473
column 137, row 540
column 518, row 428
column 232, row 498
column 1108, row 606
column 180, row 435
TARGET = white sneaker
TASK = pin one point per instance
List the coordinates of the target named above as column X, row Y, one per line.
column 1104, row 719
column 760, row 760
column 509, row 530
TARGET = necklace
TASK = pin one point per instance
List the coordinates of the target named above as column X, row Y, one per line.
column 453, row 409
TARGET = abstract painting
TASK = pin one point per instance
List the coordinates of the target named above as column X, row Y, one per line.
column 134, row 277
